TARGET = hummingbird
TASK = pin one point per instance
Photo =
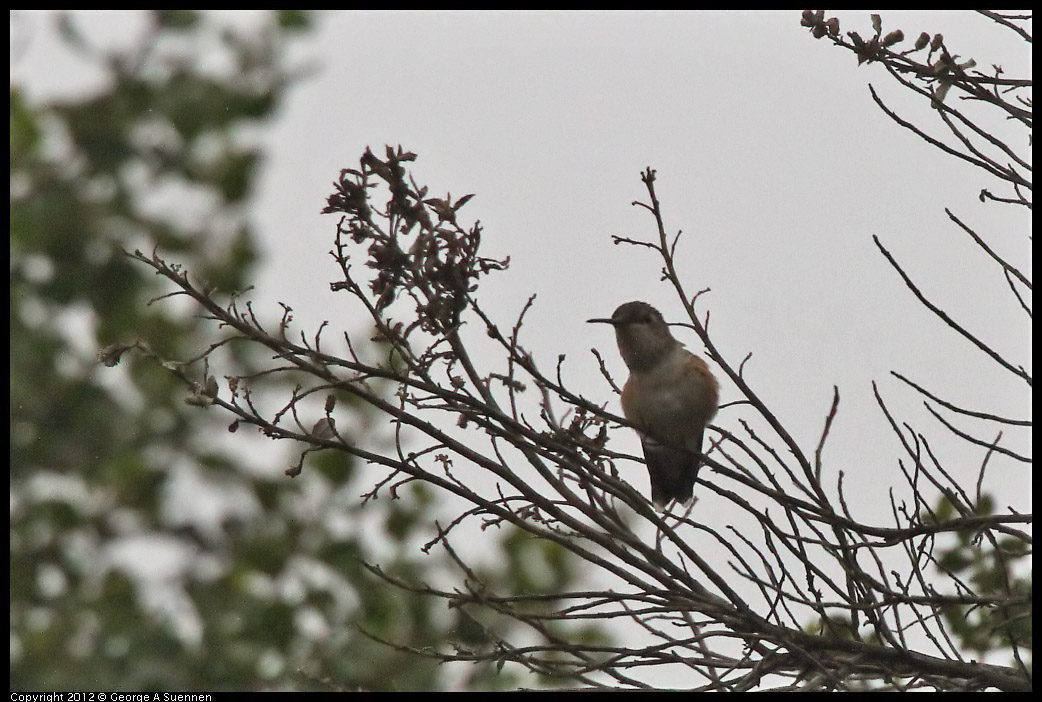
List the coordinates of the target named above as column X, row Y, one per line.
column 670, row 397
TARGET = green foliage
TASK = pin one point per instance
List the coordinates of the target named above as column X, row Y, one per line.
column 999, row 568
column 92, row 465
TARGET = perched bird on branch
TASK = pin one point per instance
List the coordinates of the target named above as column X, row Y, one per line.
column 669, row 397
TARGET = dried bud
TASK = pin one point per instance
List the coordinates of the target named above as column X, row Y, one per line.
column 877, row 24
column 939, row 93
column 462, row 201
column 893, row 37
column 922, row 41
column 203, row 395
column 211, row 387
column 198, row 399
column 442, row 208
column 808, row 18
column 819, row 31
column 866, row 52
column 935, row 44
column 324, row 428
column 833, row 26
column 111, row 354
column 330, row 403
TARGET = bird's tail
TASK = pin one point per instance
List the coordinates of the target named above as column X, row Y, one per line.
column 672, row 469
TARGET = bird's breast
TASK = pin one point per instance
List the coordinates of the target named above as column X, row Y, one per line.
column 672, row 402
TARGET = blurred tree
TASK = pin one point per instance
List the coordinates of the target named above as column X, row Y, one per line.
column 146, row 552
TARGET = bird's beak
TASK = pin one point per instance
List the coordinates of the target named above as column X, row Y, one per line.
column 600, row 321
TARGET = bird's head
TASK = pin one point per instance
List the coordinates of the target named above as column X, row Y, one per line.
column 642, row 334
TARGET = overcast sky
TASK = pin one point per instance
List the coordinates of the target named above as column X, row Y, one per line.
column 771, row 156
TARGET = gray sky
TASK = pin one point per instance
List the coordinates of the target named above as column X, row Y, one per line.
column 771, row 156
